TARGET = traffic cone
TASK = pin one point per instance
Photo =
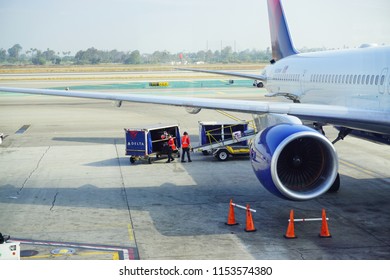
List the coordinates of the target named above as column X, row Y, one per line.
column 324, row 228
column 250, row 227
column 290, row 234
column 231, row 218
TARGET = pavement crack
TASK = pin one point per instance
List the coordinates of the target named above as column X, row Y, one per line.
column 33, row 171
column 54, row 201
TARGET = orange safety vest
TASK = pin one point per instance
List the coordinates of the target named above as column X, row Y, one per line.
column 171, row 144
column 185, row 141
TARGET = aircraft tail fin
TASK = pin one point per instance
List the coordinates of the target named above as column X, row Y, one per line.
column 282, row 45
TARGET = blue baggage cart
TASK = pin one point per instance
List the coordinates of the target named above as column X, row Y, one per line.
column 151, row 142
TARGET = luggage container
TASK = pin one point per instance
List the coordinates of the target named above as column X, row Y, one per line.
column 9, row 250
column 151, row 142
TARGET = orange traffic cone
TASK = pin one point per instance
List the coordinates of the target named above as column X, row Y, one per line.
column 231, row 218
column 324, row 228
column 290, row 234
column 250, row 227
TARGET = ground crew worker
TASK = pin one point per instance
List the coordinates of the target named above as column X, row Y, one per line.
column 171, row 148
column 185, row 145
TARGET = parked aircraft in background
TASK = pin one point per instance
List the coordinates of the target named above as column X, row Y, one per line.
column 349, row 89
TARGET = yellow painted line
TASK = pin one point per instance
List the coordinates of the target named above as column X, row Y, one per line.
column 131, row 233
column 220, row 92
column 115, row 255
column 359, row 168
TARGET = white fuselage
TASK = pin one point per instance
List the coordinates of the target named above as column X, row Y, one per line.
column 356, row 78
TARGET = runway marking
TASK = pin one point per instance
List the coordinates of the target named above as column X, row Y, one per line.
column 114, row 255
column 120, row 253
column 220, row 92
column 131, row 233
column 365, row 171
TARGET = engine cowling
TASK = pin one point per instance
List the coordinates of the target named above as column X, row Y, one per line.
column 193, row 110
column 294, row 161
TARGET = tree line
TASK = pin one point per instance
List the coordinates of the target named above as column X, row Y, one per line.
column 16, row 55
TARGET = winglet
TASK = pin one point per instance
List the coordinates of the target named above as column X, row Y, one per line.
column 282, row 45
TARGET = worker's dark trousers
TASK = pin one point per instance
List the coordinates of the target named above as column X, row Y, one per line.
column 185, row 150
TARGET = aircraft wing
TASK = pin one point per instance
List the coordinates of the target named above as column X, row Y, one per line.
column 355, row 118
column 236, row 74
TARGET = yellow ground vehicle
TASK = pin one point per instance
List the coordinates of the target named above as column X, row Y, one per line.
column 224, row 140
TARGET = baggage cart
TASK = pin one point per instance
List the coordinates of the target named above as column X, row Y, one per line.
column 151, row 142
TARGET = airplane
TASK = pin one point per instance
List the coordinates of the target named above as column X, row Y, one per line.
column 291, row 157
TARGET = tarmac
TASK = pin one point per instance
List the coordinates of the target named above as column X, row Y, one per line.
column 67, row 190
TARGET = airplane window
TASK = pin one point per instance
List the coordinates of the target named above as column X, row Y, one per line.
column 340, row 79
column 354, row 79
column 350, row 79
column 372, row 79
column 347, row 79
column 333, row 79
column 322, row 78
column 363, row 79
column 376, row 79
column 343, row 79
column 367, row 79
column 358, row 81
column 382, row 80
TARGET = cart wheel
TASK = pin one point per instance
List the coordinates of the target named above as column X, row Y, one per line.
column 178, row 154
column 150, row 160
column 132, row 159
column 222, row 155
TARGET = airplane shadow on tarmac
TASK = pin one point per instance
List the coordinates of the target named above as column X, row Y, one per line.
column 359, row 210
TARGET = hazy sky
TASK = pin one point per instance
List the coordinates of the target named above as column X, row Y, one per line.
column 187, row 25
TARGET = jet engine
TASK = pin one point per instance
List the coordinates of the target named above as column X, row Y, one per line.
column 294, row 161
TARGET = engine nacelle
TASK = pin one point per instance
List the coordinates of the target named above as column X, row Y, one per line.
column 294, row 161
column 193, row 110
